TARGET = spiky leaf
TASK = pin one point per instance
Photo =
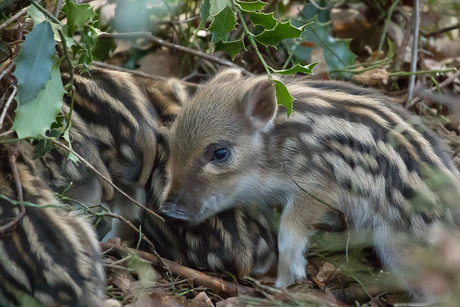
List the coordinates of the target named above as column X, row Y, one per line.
column 34, row 117
column 336, row 51
column 251, row 6
column 204, row 13
column 261, row 19
column 306, row 69
column 232, row 48
column 223, row 23
column 283, row 97
column 217, row 6
column 77, row 15
column 280, row 31
column 33, row 65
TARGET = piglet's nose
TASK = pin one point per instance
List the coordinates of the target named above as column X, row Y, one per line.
column 174, row 214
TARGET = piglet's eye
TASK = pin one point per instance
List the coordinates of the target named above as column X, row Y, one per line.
column 220, row 154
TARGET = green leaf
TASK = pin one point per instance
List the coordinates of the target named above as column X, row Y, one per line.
column 69, row 40
column 217, row 6
column 37, row 16
column 280, row 32
column 34, row 117
column 296, row 69
column 251, row 6
column 77, row 15
column 43, row 145
column 33, row 65
column 204, row 13
column 223, row 23
column 336, row 51
column 261, row 19
column 232, row 48
column 283, row 97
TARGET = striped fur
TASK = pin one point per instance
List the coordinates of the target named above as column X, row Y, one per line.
column 345, row 148
column 115, row 126
column 52, row 256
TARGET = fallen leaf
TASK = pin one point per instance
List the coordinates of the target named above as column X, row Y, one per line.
column 373, row 77
column 230, row 302
column 201, row 300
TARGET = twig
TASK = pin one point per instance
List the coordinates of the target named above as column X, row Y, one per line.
column 139, row 73
column 152, row 247
column 7, row 105
column 421, row 72
column 186, row 20
column 59, row 144
column 407, row 34
column 148, row 36
column 47, row 14
column 57, row 8
column 319, row 7
column 12, row 156
column 6, row 133
column 222, row 287
column 8, row 68
column 413, row 65
column 447, row 81
column 14, row 18
column 439, row 31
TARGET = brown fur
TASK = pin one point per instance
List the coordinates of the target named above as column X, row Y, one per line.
column 51, row 256
column 345, row 148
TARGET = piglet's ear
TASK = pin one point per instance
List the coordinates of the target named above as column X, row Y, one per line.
column 228, row 75
column 260, row 103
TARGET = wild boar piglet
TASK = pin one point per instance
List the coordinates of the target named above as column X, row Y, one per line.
column 345, row 147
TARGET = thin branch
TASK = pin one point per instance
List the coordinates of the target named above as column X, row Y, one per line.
column 148, row 36
column 413, row 65
column 407, row 35
column 139, row 73
column 59, row 144
column 14, row 18
column 421, row 72
column 221, row 287
column 447, row 81
column 439, row 31
column 7, row 105
column 57, row 8
column 7, row 70
column 151, row 245
column 6, row 133
column 186, row 20
column 47, row 14
column 319, row 7
column 12, row 156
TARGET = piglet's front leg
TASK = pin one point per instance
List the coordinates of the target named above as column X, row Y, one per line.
column 293, row 238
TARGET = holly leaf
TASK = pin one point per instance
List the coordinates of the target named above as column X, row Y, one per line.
column 44, row 145
column 280, row 31
column 77, row 15
column 232, row 48
column 261, row 19
column 296, row 69
column 217, row 6
column 33, row 65
column 37, row 16
column 34, row 117
column 251, row 6
column 283, row 97
column 205, row 10
column 336, row 51
column 223, row 23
